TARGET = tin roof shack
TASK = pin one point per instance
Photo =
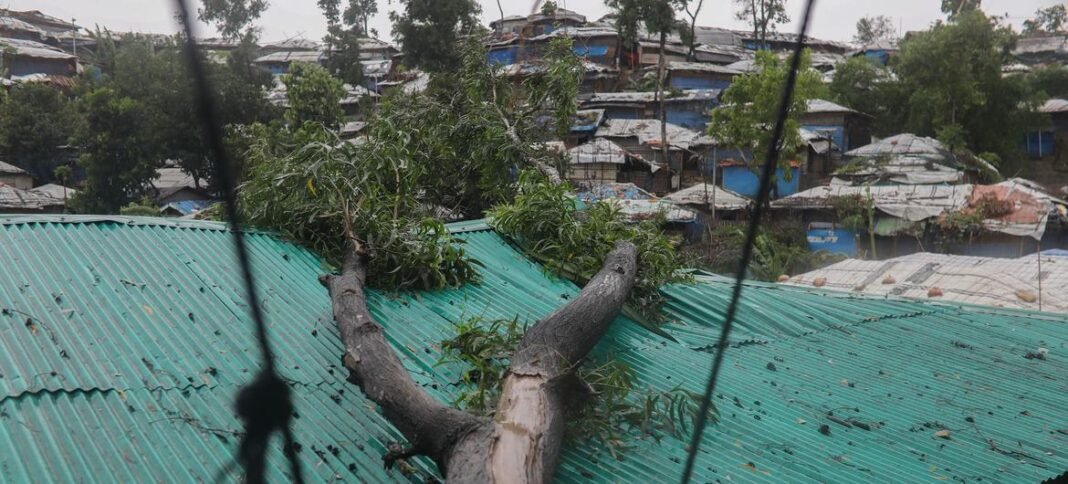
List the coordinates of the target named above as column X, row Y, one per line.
column 910, row 159
column 879, row 52
column 101, row 385
column 17, row 200
column 278, row 56
column 1035, row 282
column 51, row 25
column 695, row 75
column 848, row 128
column 1051, row 141
column 1010, row 218
column 1045, row 48
column 14, row 176
column 637, row 205
column 648, row 54
column 28, row 58
column 174, row 185
column 540, row 23
column 602, row 161
column 690, row 109
column 508, row 27
column 686, row 151
column 13, row 28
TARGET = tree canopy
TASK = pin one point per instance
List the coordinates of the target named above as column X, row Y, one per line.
column 874, row 29
column 763, row 17
column 430, row 30
column 751, row 107
column 232, row 17
column 1047, row 20
column 35, row 121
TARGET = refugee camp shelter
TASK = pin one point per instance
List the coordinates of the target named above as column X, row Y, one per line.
column 125, row 340
column 1035, row 282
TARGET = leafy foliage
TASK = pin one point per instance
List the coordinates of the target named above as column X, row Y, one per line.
column 324, row 188
column 544, row 220
column 1049, row 19
column 116, row 151
column 781, row 248
column 35, row 120
column 615, row 413
column 874, row 29
column 431, row 30
column 751, row 107
column 951, row 84
column 142, row 208
column 763, row 16
column 314, row 96
column 954, row 9
column 231, row 17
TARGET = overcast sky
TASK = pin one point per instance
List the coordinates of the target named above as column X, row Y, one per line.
column 834, row 19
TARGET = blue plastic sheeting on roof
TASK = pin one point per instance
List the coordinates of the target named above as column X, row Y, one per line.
column 688, row 118
column 590, row 50
column 1055, row 253
column 742, row 180
column 680, row 81
column 187, row 207
column 503, row 57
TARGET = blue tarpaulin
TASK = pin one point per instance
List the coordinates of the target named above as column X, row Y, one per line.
column 742, row 180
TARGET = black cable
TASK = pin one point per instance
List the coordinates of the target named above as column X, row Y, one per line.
column 770, row 165
column 265, row 405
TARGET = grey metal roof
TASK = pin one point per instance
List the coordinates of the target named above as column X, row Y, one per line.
column 29, row 48
column 9, row 169
column 55, row 191
column 905, row 170
column 600, row 150
column 1008, row 283
column 824, row 106
column 649, row 96
column 904, row 144
column 287, row 56
column 698, row 67
column 12, row 198
column 706, row 194
column 1054, row 106
column 648, row 132
column 172, row 178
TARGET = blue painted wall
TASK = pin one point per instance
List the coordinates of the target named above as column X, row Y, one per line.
column 24, row 66
column 688, row 118
column 697, row 82
column 743, row 181
column 837, row 134
column 836, row 240
column 503, row 57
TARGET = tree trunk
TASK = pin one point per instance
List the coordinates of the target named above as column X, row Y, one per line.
column 661, row 65
column 522, row 442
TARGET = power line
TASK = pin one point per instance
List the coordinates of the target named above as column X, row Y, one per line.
column 770, row 164
column 265, row 405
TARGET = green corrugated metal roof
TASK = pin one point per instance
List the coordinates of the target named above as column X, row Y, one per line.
column 139, row 340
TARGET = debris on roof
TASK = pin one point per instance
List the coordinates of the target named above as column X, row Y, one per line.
column 636, row 204
column 904, row 144
column 987, row 281
column 1026, row 208
column 186, row 208
column 647, row 131
column 910, row 202
column 904, row 170
column 877, row 382
column 600, row 150
column 708, row 195
column 642, row 97
column 587, row 120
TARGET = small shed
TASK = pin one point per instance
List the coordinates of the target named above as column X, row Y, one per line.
column 847, row 127
column 1052, row 139
column 696, row 75
column 14, row 176
column 27, row 57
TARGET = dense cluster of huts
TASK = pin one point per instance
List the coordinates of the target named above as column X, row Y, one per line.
column 913, row 183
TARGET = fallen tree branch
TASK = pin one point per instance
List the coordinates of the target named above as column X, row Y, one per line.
column 522, row 443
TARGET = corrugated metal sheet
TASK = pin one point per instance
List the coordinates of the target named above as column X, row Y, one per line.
column 1013, row 283
column 144, row 390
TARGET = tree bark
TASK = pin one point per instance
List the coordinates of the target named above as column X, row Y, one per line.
column 521, row 444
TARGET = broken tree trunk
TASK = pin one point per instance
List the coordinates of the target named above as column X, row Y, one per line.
column 521, row 444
